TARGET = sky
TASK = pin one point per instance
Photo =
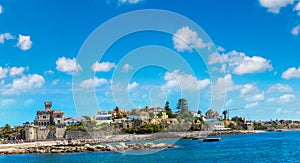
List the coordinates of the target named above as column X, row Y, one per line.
column 252, row 46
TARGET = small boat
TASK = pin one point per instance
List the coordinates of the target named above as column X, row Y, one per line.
column 199, row 137
column 211, row 139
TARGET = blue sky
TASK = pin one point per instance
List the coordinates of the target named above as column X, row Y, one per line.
column 257, row 40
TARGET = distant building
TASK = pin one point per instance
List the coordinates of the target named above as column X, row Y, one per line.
column 73, row 121
column 210, row 114
column 103, row 117
column 48, row 124
column 214, row 124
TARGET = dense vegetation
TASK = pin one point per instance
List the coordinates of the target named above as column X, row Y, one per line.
column 145, row 129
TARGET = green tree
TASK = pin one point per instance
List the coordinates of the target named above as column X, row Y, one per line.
column 6, row 131
column 169, row 110
column 167, row 107
column 199, row 112
column 182, row 105
column 225, row 114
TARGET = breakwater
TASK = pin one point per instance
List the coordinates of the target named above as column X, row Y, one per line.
column 72, row 148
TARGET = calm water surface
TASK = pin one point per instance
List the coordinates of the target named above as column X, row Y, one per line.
column 263, row 147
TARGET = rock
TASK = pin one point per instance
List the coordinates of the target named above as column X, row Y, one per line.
column 160, row 145
column 87, row 145
column 122, row 144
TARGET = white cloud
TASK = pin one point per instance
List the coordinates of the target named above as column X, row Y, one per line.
column 287, row 98
column 291, row 73
column 6, row 102
column 24, row 42
column 274, row 6
column 5, row 36
column 251, row 93
column 251, row 105
column 48, row 72
column 284, row 99
column 132, row 86
column 280, row 111
column 91, row 83
column 14, row 71
column 3, row 72
column 229, row 103
column 55, row 82
column 23, row 84
column 29, row 102
column 220, row 49
column 214, row 58
column 1, row 9
column 103, row 66
column 297, row 8
column 280, row 88
column 239, row 63
column 226, row 82
column 127, row 67
column 185, row 40
column 177, row 79
column 295, row 30
column 67, row 65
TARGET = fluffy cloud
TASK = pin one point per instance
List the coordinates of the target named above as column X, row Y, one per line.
column 239, row 63
column 14, row 71
column 297, row 8
column 67, row 65
column 177, row 79
column 251, row 93
column 103, row 66
column 24, row 42
column 280, row 88
column 185, row 40
column 284, row 99
column 23, row 84
column 1, row 9
column 5, row 36
column 127, row 67
column 291, row 73
column 274, row 6
column 226, row 82
column 295, row 30
column 3, row 72
column 132, row 86
column 251, row 105
column 91, row 83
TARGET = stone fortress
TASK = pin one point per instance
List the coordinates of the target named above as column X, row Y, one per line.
column 48, row 124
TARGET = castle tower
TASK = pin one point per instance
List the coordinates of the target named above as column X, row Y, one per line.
column 48, row 106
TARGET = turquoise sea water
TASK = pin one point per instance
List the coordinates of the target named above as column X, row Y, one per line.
column 262, row 147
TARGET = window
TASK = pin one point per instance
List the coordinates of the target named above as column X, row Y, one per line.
column 58, row 121
column 44, row 116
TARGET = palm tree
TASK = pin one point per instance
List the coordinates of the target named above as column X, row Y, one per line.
column 224, row 113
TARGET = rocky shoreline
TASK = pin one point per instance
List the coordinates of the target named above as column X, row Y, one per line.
column 104, row 143
column 73, row 148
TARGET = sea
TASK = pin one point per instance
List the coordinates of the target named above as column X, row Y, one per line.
column 259, row 147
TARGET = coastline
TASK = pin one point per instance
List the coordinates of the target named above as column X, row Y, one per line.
column 112, row 143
